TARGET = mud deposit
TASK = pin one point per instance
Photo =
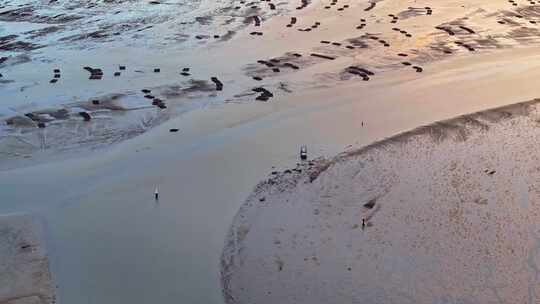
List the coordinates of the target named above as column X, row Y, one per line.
column 61, row 60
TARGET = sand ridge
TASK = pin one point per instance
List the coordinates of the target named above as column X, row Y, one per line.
column 451, row 213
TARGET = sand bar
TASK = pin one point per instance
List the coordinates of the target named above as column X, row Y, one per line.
column 447, row 212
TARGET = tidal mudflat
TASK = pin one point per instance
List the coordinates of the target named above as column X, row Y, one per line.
column 102, row 102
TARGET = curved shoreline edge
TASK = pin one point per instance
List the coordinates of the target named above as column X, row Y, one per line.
column 285, row 182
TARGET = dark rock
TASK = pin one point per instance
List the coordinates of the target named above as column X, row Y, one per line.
column 31, row 116
column 268, row 64
column 219, row 84
column 447, row 30
column 370, row 204
column 322, row 56
column 265, row 94
column 362, row 70
column 85, row 116
column 256, row 20
column 468, row 30
column 292, row 66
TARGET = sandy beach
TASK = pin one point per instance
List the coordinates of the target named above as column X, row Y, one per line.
column 93, row 181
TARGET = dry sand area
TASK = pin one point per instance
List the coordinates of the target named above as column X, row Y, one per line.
column 451, row 215
column 24, row 266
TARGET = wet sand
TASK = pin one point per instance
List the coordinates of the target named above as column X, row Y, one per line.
column 104, row 223
column 24, row 271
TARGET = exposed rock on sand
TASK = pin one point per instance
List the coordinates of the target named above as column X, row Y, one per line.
column 24, row 267
column 455, row 220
